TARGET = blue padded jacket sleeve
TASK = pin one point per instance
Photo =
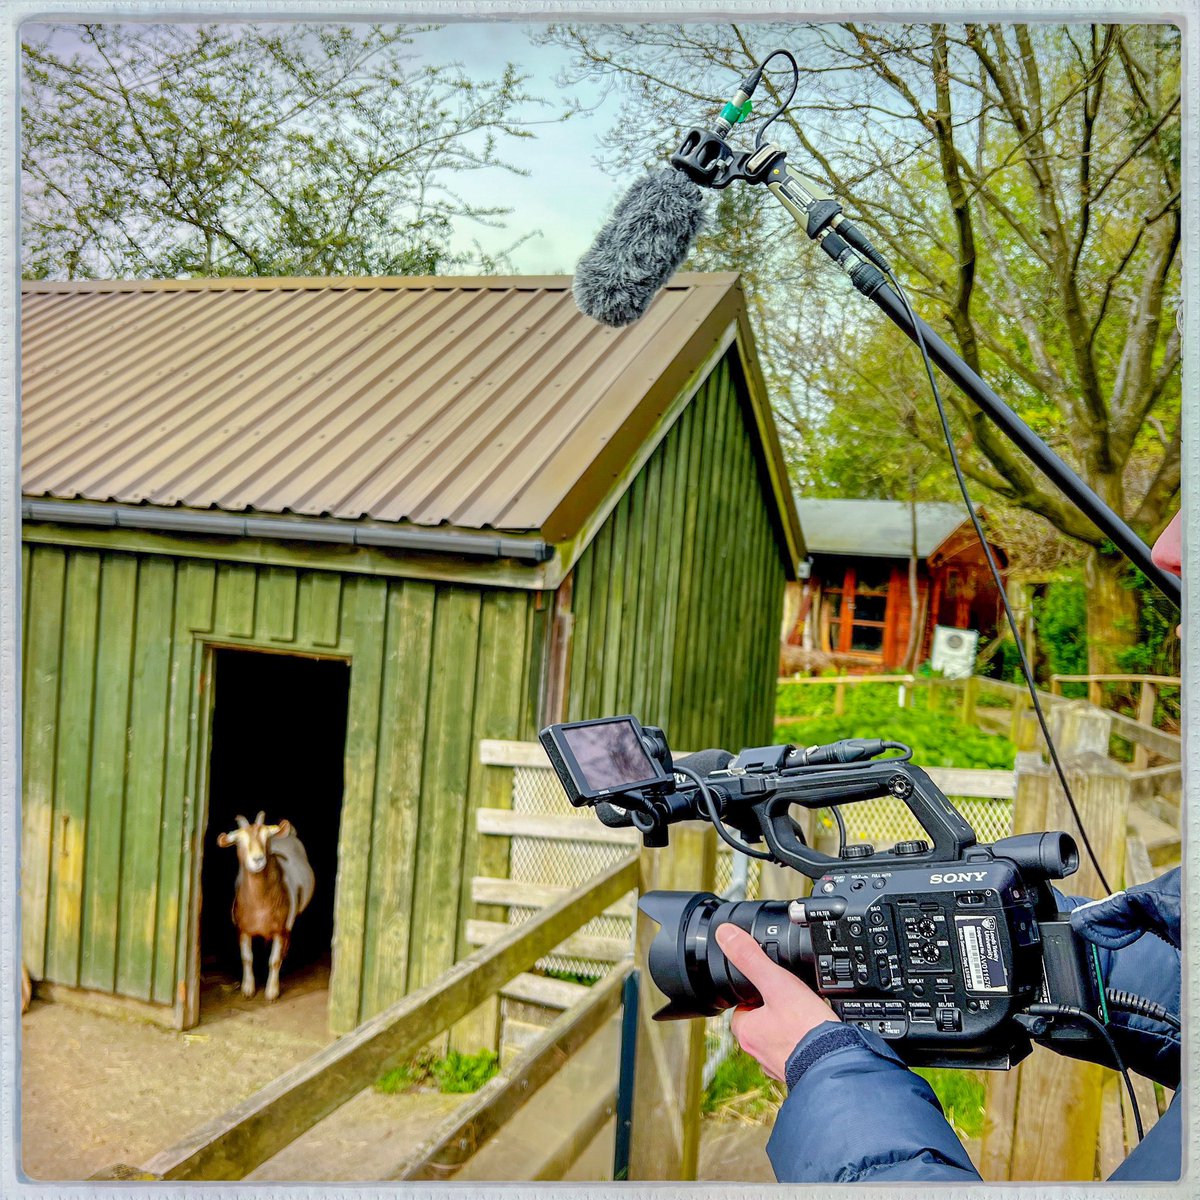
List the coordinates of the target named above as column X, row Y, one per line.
column 856, row 1114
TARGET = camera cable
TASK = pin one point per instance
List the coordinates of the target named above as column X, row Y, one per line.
column 710, row 806
column 1066, row 1010
column 987, row 550
column 1131, row 1003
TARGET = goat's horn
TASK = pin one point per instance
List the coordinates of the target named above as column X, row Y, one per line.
column 242, row 822
column 261, row 818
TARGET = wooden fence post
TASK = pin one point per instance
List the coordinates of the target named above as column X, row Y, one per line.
column 669, row 1068
column 966, row 714
column 1049, row 1091
column 839, row 699
column 1146, row 717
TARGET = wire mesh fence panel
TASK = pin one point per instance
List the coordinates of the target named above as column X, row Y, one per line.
column 885, row 821
column 560, row 862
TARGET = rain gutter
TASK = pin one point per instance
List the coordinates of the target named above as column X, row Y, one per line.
column 220, row 524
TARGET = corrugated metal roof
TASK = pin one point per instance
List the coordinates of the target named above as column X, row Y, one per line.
column 480, row 403
column 881, row 528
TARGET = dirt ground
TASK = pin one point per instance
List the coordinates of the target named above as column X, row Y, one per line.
column 99, row 1089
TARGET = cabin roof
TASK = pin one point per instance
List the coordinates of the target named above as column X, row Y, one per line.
column 876, row 528
column 475, row 403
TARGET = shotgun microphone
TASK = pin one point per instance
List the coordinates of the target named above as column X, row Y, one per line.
column 640, row 248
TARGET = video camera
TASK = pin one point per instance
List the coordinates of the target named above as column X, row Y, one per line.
column 953, row 952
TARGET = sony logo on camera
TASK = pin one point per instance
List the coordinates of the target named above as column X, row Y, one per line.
column 958, row 877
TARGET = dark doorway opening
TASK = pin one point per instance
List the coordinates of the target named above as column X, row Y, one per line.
column 277, row 744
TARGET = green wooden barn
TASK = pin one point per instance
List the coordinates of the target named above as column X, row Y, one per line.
column 299, row 544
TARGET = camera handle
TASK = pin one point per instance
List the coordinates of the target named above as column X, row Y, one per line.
column 833, row 786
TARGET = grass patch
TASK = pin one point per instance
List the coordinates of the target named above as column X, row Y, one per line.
column 465, row 1072
column 740, row 1091
column 960, row 1093
column 456, row 1073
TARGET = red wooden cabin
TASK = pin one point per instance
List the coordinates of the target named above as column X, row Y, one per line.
column 853, row 611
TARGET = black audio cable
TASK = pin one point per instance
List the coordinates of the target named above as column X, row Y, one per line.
column 1067, row 1010
column 1131, row 1003
column 710, row 806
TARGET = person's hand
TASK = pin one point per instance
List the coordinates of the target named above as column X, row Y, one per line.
column 1137, row 933
column 789, row 1009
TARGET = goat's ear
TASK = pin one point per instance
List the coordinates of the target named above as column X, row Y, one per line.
column 242, row 823
column 282, row 829
column 224, row 839
column 261, row 819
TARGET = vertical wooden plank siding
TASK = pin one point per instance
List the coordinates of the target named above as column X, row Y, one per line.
column 106, row 798
column 362, row 743
column 76, row 694
column 398, row 781
column 43, row 621
column 448, row 755
column 143, row 818
column 697, row 645
column 195, row 596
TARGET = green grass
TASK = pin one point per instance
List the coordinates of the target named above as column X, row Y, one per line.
column 960, row 1093
column 936, row 737
column 456, row 1073
column 741, row 1090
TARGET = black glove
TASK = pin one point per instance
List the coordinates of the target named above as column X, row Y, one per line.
column 1145, row 966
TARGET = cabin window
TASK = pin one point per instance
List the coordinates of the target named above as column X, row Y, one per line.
column 858, row 609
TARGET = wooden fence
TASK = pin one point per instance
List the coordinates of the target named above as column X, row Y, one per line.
column 663, row 1134
column 251, row 1132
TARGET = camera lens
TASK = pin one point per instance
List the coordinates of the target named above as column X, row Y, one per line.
column 689, row 967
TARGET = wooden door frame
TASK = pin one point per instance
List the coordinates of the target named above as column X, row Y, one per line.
column 200, row 717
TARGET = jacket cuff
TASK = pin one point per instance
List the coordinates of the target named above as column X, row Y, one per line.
column 823, row 1040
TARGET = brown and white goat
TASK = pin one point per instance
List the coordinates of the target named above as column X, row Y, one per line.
column 274, row 885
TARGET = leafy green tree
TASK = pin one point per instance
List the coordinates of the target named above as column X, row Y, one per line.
column 179, row 150
column 1025, row 182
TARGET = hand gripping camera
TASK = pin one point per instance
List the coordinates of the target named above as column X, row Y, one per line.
column 953, row 952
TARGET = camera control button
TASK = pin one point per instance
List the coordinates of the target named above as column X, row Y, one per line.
column 858, row 885
column 879, row 884
column 828, row 887
column 894, row 1008
column 877, row 918
column 949, row 1020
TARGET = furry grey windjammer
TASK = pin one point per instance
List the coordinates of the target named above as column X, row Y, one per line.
column 640, row 247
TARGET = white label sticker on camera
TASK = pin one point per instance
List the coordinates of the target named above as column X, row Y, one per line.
column 983, row 960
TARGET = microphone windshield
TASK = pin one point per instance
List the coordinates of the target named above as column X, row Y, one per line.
column 640, row 247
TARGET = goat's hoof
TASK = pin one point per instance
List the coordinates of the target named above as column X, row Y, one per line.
column 272, row 993
column 248, row 990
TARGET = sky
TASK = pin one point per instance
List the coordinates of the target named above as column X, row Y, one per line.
column 564, row 196
column 567, row 205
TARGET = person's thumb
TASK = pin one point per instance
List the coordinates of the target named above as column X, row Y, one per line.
column 748, row 956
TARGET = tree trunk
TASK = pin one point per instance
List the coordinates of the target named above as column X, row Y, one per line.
column 1111, row 612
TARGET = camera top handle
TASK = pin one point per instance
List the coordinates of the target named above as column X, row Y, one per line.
column 771, row 796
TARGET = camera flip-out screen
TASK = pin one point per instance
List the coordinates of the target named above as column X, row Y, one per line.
column 606, row 756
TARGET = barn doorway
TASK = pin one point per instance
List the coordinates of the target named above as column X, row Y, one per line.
column 277, row 743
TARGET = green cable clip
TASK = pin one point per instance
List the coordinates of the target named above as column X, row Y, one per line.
column 735, row 115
